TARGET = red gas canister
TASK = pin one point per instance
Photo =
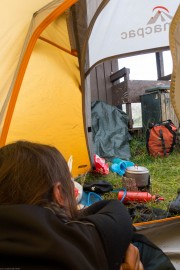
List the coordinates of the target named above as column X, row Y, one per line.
column 137, row 196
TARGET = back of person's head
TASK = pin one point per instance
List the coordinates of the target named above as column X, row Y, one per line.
column 28, row 173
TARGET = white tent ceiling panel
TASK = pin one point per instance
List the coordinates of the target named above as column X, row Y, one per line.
column 124, row 27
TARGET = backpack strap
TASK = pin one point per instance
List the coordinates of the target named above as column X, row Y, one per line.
column 163, row 142
column 173, row 132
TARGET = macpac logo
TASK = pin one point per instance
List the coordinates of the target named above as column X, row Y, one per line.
column 156, row 24
column 160, row 15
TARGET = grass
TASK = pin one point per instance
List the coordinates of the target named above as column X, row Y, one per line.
column 164, row 173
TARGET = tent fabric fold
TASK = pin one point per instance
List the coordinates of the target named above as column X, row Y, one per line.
column 165, row 234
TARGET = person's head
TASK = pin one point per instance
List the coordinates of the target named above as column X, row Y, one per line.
column 32, row 173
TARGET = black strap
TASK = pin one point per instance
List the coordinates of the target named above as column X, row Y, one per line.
column 174, row 136
column 163, row 142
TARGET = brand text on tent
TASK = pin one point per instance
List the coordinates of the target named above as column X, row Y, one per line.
column 145, row 31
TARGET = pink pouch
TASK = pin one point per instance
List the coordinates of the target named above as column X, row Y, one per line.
column 100, row 165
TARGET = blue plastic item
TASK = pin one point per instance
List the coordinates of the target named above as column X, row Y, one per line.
column 119, row 168
column 118, row 160
column 89, row 198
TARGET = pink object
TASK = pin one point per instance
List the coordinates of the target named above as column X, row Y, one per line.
column 100, row 165
column 76, row 192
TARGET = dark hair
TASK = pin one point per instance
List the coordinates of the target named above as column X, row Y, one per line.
column 28, row 172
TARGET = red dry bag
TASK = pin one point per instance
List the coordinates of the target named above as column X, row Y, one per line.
column 161, row 138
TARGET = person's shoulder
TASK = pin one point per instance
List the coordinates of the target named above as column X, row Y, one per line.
column 25, row 209
column 23, row 213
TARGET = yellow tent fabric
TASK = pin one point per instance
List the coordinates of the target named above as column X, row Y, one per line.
column 174, row 37
column 41, row 100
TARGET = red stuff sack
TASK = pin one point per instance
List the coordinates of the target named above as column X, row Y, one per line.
column 100, row 165
column 161, row 138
